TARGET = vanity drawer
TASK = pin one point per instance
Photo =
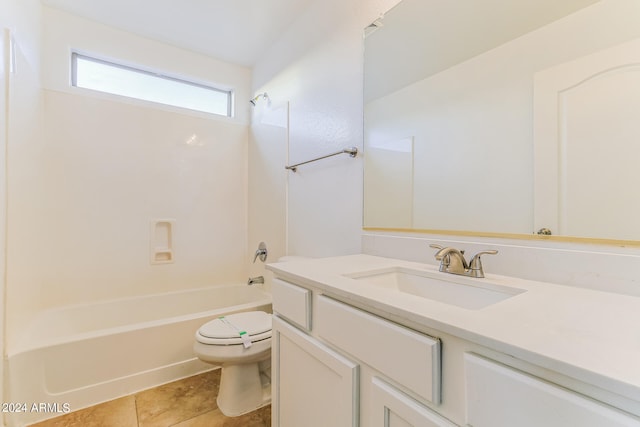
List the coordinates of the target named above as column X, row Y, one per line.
column 292, row 302
column 407, row 357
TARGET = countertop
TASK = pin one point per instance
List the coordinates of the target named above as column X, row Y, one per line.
column 592, row 336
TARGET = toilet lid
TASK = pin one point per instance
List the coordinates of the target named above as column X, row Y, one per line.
column 226, row 330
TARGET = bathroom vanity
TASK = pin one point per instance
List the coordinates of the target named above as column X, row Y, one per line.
column 369, row 341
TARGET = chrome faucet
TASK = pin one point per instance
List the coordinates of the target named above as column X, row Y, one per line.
column 452, row 261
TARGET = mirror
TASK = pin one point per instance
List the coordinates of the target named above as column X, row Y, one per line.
column 467, row 129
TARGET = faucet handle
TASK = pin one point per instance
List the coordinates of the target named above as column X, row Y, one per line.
column 444, row 261
column 475, row 265
column 261, row 253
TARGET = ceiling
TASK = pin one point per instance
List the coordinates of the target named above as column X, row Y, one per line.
column 236, row 31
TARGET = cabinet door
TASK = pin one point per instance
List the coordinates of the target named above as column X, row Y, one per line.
column 499, row 396
column 392, row 408
column 313, row 386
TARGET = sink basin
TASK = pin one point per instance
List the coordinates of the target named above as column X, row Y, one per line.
column 461, row 291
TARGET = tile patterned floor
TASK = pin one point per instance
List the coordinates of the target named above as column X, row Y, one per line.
column 190, row 402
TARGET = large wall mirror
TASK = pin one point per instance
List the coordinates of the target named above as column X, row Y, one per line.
column 504, row 117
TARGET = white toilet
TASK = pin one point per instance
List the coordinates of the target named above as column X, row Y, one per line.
column 241, row 344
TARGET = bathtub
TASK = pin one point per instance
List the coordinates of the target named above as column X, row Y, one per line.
column 77, row 356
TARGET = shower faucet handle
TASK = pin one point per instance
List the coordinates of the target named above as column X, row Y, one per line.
column 261, row 252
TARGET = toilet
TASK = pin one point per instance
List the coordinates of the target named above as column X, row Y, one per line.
column 241, row 344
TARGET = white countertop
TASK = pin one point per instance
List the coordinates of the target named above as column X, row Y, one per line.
column 588, row 335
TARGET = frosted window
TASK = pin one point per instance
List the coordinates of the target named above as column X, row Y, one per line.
column 117, row 79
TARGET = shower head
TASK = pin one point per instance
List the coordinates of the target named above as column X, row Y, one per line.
column 257, row 97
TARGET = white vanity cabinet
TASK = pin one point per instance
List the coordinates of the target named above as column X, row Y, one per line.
column 312, row 385
column 370, row 357
column 318, row 357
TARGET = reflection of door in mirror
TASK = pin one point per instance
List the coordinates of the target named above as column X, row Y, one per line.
column 587, row 145
column 457, row 76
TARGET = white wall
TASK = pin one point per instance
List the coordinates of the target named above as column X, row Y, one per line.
column 5, row 37
column 82, row 196
column 21, row 124
column 317, row 67
column 268, row 142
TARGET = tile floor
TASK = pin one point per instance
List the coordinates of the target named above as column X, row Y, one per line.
column 190, row 402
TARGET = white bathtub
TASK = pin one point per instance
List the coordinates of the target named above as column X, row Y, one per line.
column 83, row 355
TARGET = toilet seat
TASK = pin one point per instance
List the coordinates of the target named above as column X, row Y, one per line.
column 226, row 330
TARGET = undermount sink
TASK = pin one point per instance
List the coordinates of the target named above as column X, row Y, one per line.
column 461, row 291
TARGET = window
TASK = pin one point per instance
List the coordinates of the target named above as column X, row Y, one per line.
column 118, row 79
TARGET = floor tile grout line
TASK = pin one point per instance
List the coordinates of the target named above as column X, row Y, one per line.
column 135, row 407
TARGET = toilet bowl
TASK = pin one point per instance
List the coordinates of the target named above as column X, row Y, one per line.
column 241, row 344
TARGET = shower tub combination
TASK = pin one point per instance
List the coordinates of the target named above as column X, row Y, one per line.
column 77, row 356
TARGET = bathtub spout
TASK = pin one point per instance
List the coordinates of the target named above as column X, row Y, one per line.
column 254, row 280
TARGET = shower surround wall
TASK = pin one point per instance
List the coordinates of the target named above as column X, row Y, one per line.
column 319, row 73
column 83, row 194
column 23, row 20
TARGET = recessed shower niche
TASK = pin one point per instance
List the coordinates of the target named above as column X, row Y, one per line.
column 161, row 241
